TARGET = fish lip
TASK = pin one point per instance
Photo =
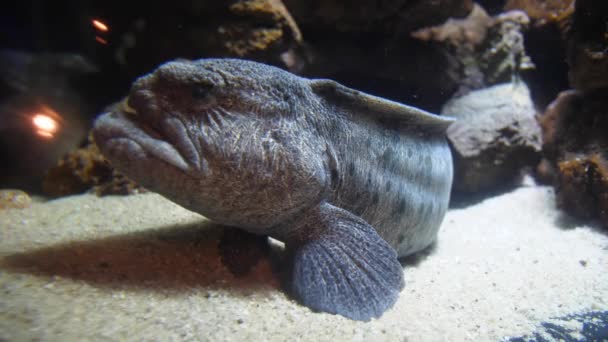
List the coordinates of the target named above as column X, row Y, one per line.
column 125, row 123
column 128, row 113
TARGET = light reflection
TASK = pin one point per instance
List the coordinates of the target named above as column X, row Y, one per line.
column 99, row 25
column 45, row 134
column 101, row 40
column 46, row 122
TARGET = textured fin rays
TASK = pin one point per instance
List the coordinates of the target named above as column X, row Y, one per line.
column 346, row 268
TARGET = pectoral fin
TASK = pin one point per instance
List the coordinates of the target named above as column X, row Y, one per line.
column 342, row 266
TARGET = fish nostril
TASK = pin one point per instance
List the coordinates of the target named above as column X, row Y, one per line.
column 141, row 101
column 126, row 108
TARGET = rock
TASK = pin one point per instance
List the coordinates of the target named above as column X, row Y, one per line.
column 588, row 45
column 494, row 137
column 261, row 30
column 545, row 172
column 582, row 187
column 482, row 50
column 453, row 57
column 367, row 45
column 468, row 32
column 14, row 199
column 555, row 123
column 575, row 146
column 575, row 142
column 544, row 43
column 264, row 25
column 388, row 17
column 496, row 134
column 545, row 46
column 503, row 57
column 543, row 12
column 85, row 169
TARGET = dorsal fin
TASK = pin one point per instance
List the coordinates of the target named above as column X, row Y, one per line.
column 375, row 106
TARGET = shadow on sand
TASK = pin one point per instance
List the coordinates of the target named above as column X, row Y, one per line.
column 174, row 258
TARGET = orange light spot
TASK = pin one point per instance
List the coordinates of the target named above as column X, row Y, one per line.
column 99, row 25
column 45, row 122
column 45, row 134
column 101, row 40
column 45, row 125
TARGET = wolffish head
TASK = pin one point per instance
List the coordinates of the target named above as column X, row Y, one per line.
column 222, row 137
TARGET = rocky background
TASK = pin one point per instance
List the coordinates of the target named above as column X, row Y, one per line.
column 527, row 79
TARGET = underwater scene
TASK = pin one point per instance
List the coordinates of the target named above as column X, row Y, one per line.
column 286, row 170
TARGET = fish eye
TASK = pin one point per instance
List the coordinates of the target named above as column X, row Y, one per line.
column 201, row 91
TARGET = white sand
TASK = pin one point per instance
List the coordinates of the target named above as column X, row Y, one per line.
column 140, row 268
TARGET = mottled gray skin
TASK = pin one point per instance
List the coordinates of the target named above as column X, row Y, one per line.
column 309, row 162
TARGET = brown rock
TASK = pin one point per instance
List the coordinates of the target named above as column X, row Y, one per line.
column 575, row 147
column 554, row 123
column 575, row 122
column 261, row 30
column 542, row 12
column 388, row 17
column 242, row 38
column 367, row 45
column 545, row 42
column 482, row 50
column 364, row 44
column 467, row 32
column 545, row 172
column 588, row 45
column 85, row 169
column 582, row 187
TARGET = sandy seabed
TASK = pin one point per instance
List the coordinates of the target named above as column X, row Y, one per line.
column 142, row 268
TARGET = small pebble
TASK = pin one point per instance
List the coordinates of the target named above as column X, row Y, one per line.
column 14, row 199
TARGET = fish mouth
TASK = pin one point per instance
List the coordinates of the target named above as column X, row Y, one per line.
column 123, row 135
